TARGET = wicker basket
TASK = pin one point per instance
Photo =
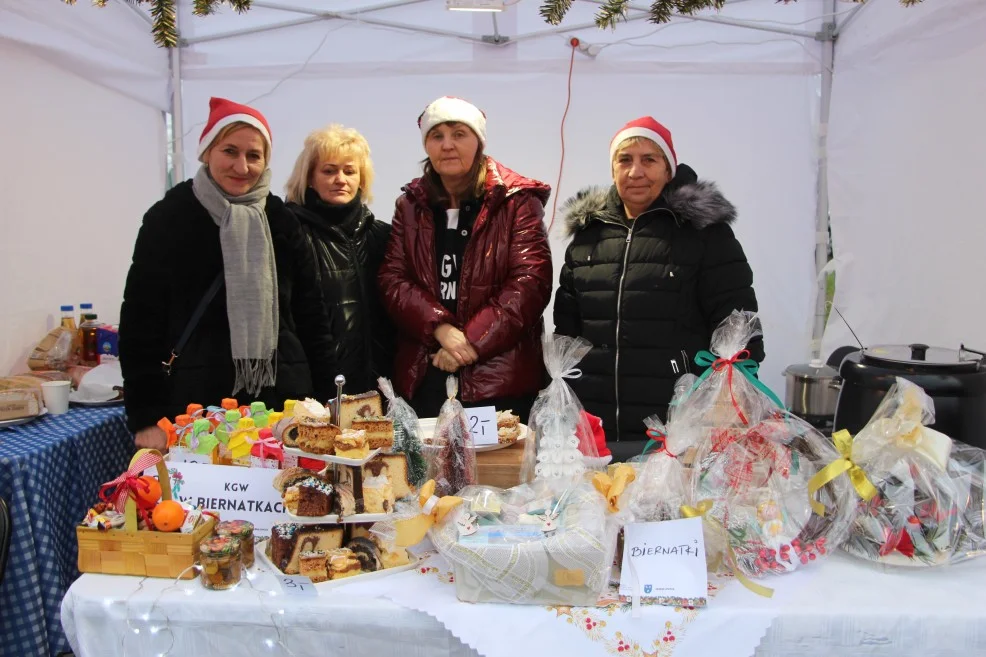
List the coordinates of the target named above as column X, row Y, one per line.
column 128, row 551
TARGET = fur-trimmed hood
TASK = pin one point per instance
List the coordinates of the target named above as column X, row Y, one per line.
column 693, row 201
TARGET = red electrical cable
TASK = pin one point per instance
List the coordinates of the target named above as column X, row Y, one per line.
column 561, row 165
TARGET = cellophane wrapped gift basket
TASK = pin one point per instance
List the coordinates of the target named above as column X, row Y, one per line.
column 925, row 506
column 548, row 541
column 751, row 463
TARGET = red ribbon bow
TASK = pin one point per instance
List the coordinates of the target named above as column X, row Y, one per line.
column 268, row 447
column 128, row 484
column 721, row 363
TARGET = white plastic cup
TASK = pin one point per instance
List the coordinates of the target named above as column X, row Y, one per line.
column 55, row 394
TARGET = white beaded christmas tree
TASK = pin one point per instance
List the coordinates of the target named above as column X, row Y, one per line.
column 558, row 454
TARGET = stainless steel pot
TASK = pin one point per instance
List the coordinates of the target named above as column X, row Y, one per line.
column 812, row 390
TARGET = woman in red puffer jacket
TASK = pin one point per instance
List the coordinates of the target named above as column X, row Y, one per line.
column 467, row 273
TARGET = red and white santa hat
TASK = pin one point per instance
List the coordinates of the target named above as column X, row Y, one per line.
column 223, row 112
column 646, row 127
column 451, row 109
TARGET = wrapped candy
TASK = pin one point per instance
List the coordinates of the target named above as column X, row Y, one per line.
column 564, row 437
column 752, row 462
column 454, row 467
column 926, row 506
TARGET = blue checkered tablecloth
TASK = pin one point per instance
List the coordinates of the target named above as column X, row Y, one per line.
column 50, row 472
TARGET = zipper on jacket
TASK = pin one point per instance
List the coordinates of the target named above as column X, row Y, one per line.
column 619, row 309
column 364, row 307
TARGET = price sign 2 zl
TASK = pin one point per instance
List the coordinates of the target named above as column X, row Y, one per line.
column 482, row 425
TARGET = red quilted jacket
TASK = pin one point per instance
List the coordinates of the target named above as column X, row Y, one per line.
column 504, row 287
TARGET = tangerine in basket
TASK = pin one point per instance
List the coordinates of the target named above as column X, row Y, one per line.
column 168, row 516
column 148, row 496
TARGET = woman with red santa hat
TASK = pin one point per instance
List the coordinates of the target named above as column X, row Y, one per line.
column 221, row 299
column 652, row 269
column 467, row 273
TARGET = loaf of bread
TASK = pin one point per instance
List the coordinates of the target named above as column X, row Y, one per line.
column 21, row 403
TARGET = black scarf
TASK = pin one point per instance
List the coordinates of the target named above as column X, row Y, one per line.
column 347, row 218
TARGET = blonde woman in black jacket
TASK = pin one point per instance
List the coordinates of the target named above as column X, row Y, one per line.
column 328, row 191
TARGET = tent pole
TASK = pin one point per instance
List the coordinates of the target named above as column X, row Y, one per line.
column 177, row 145
column 827, row 37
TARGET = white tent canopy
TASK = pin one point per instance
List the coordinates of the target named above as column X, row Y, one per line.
column 740, row 89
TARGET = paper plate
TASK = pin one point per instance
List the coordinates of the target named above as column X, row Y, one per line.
column 330, row 458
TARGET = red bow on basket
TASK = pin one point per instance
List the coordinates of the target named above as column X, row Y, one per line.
column 719, row 364
column 128, row 484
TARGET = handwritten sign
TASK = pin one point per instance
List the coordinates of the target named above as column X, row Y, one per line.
column 298, row 585
column 665, row 560
column 236, row 493
column 182, row 455
column 482, row 425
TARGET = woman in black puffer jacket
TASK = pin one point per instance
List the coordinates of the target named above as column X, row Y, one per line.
column 328, row 191
column 652, row 269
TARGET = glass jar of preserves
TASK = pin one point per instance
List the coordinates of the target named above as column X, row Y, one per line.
column 221, row 563
column 241, row 530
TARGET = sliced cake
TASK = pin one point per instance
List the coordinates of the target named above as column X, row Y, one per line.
column 379, row 431
column 352, row 407
column 368, row 554
column 309, row 497
column 343, row 563
column 313, row 565
column 352, row 444
column 289, row 540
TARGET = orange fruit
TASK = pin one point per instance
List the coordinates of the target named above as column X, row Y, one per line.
column 168, row 516
column 147, row 498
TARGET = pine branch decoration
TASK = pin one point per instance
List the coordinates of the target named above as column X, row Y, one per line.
column 661, row 11
column 553, row 11
column 164, row 15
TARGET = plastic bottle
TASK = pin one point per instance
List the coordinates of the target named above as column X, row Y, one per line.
column 89, row 340
column 85, row 309
column 68, row 321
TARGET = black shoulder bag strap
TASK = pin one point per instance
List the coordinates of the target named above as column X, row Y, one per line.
column 193, row 321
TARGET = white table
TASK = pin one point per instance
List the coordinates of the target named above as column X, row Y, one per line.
column 841, row 607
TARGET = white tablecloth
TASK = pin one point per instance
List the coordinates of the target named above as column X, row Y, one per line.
column 841, row 607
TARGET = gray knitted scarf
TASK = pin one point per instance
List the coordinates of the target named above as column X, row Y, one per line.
column 251, row 277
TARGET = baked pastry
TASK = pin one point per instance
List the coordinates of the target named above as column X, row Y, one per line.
column 506, row 419
column 316, row 433
column 343, row 563
column 289, row 540
column 398, row 472
column 287, row 478
column 313, row 565
column 352, row 444
column 344, row 502
column 507, row 435
column 15, row 404
column 309, row 497
column 378, row 494
column 367, row 404
column 368, row 554
column 379, row 431
column 290, row 434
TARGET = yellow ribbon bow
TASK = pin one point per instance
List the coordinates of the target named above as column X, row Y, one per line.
column 612, row 488
column 699, row 511
column 843, row 443
column 433, row 509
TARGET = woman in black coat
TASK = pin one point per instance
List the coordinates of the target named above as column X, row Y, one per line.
column 328, row 192
column 652, row 269
column 265, row 333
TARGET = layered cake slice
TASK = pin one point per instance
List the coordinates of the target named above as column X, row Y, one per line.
column 313, row 565
column 352, row 444
column 316, row 433
column 378, row 494
column 343, row 563
column 379, row 431
column 309, row 497
column 352, row 407
column 398, row 472
column 289, row 540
